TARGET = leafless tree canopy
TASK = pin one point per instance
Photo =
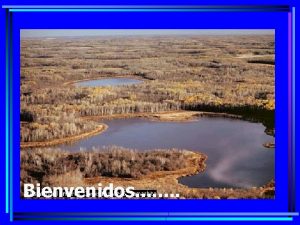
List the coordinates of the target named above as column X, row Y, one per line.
column 214, row 73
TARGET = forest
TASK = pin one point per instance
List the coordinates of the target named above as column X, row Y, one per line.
column 206, row 73
column 180, row 78
column 156, row 169
column 45, row 165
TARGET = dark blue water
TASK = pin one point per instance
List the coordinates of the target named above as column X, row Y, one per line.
column 108, row 82
column 236, row 156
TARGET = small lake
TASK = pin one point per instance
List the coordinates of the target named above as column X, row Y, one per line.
column 236, row 156
column 108, row 82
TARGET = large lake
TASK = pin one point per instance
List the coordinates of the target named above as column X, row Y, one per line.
column 236, row 156
column 107, row 82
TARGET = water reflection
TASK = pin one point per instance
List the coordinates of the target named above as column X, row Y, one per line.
column 236, row 157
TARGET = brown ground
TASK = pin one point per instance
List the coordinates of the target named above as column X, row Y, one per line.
column 180, row 116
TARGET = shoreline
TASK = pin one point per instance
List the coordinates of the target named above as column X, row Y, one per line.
column 183, row 115
column 100, row 129
column 166, row 116
column 168, row 182
column 158, row 180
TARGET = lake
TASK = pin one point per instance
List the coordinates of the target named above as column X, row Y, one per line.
column 236, row 156
column 107, row 82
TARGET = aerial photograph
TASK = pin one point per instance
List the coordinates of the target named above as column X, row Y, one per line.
column 189, row 112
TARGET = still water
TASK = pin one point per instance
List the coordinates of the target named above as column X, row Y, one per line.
column 107, row 82
column 236, row 156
